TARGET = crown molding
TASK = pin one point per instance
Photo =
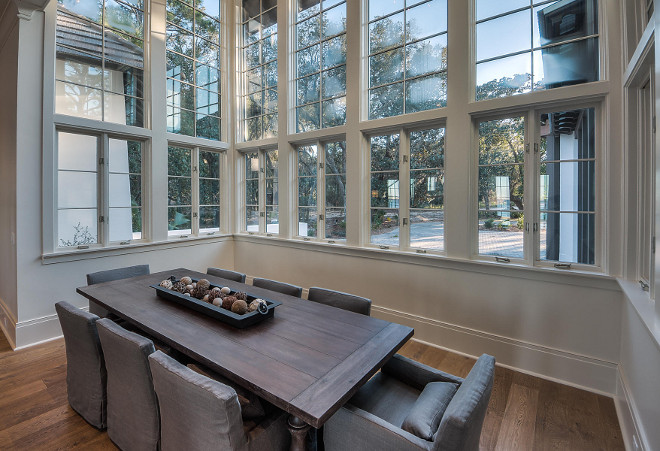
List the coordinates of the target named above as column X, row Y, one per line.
column 27, row 7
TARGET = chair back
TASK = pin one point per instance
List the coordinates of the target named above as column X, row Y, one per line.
column 196, row 412
column 133, row 421
column 460, row 427
column 345, row 301
column 110, row 275
column 85, row 368
column 280, row 287
column 226, row 274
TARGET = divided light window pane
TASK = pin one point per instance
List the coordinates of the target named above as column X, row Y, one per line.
column 272, row 194
column 531, row 45
column 179, row 191
column 427, row 175
column 193, row 68
column 99, row 67
column 125, row 190
column 407, row 56
column 259, row 69
column 77, row 190
column 567, row 180
column 209, row 191
column 320, row 64
column 385, row 190
column 335, row 190
column 252, row 197
column 501, row 187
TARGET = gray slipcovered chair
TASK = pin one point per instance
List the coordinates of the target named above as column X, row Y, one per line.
column 280, row 287
column 199, row 413
column 85, row 368
column 110, row 275
column 226, row 274
column 345, row 301
column 133, row 420
column 410, row 406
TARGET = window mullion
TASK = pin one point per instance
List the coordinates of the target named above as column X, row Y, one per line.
column 404, row 190
column 104, row 190
column 532, row 190
column 194, row 229
column 320, row 190
column 262, row 191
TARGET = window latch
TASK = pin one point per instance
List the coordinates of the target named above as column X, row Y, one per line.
column 536, row 147
column 644, row 285
column 536, row 226
column 421, row 251
column 526, row 226
column 195, row 215
column 405, row 158
column 320, row 165
column 563, row 265
column 101, row 219
column 331, row 241
column 262, row 214
column 83, row 246
column 321, row 218
column 101, row 161
column 306, row 238
column 404, row 221
column 124, row 243
column 383, row 247
column 527, row 147
column 502, row 259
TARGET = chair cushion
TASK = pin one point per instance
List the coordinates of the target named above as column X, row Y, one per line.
column 251, row 407
column 425, row 415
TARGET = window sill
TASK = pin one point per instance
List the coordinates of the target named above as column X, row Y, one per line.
column 644, row 306
column 70, row 255
column 540, row 274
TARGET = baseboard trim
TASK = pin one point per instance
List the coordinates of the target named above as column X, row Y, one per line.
column 588, row 373
column 632, row 431
column 35, row 331
column 8, row 324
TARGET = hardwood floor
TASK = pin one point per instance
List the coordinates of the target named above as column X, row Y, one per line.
column 525, row 412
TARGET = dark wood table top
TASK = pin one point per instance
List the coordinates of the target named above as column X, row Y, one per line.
column 308, row 360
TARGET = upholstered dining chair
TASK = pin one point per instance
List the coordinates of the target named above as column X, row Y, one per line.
column 133, row 420
column 226, row 274
column 199, row 413
column 280, row 287
column 85, row 368
column 109, row 276
column 340, row 300
column 410, row 406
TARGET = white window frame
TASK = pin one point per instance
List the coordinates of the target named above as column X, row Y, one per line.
column 194, row 181
column 531, row 196
column 263, row 225
column 404, row 190
column 103, row 189
column 320, row 192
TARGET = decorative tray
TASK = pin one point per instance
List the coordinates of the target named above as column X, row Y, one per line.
column 240, row 321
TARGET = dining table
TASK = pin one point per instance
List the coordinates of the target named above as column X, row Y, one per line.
column 308, row 359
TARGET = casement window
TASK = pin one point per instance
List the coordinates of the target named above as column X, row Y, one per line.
column 322, row 191
column 411, row 219
column 99, row 67
column 99, row 190
column 537, row 188
column 531, row 45
column 261, row 192
column 193, row 192
column 407, row 56
column 258, row 40
column 193, row 68
column 320, row 64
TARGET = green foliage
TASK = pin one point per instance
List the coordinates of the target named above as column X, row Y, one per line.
column 488, row 224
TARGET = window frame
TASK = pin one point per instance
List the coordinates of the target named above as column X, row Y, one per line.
column 195, row 231
column 103, row 189
column 404, row 171
column 532, row 189
column 321, row 180
column 262, row 178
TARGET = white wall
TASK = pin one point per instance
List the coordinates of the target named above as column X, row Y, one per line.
column 8, row 62
column 560, row 326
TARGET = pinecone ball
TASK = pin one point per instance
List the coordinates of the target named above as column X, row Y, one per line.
column 216, row 292
column 179, row 286
column 203, row 284
column 199, row 293
column 227, row 302
column 241, row 296
column 240, row 307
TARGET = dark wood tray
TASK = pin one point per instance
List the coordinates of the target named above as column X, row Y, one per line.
column 226, row 316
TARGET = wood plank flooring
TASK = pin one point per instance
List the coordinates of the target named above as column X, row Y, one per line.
column 525, row 412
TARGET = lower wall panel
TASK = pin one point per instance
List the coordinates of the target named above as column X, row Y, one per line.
column 563, row 331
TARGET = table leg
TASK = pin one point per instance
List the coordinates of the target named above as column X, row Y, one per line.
column 298, row 429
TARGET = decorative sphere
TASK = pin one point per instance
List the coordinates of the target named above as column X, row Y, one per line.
column 186, row 294
column 189, row 288
column 203, row 284
column 217, row 302
column 187, row 280
column 216, row 291
column 254, row 305
column 228, row 301
column 167, row 284
column 225, row 290
column 206, row 298
column 242, row 296
column 179, row 286
column 240, row 307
